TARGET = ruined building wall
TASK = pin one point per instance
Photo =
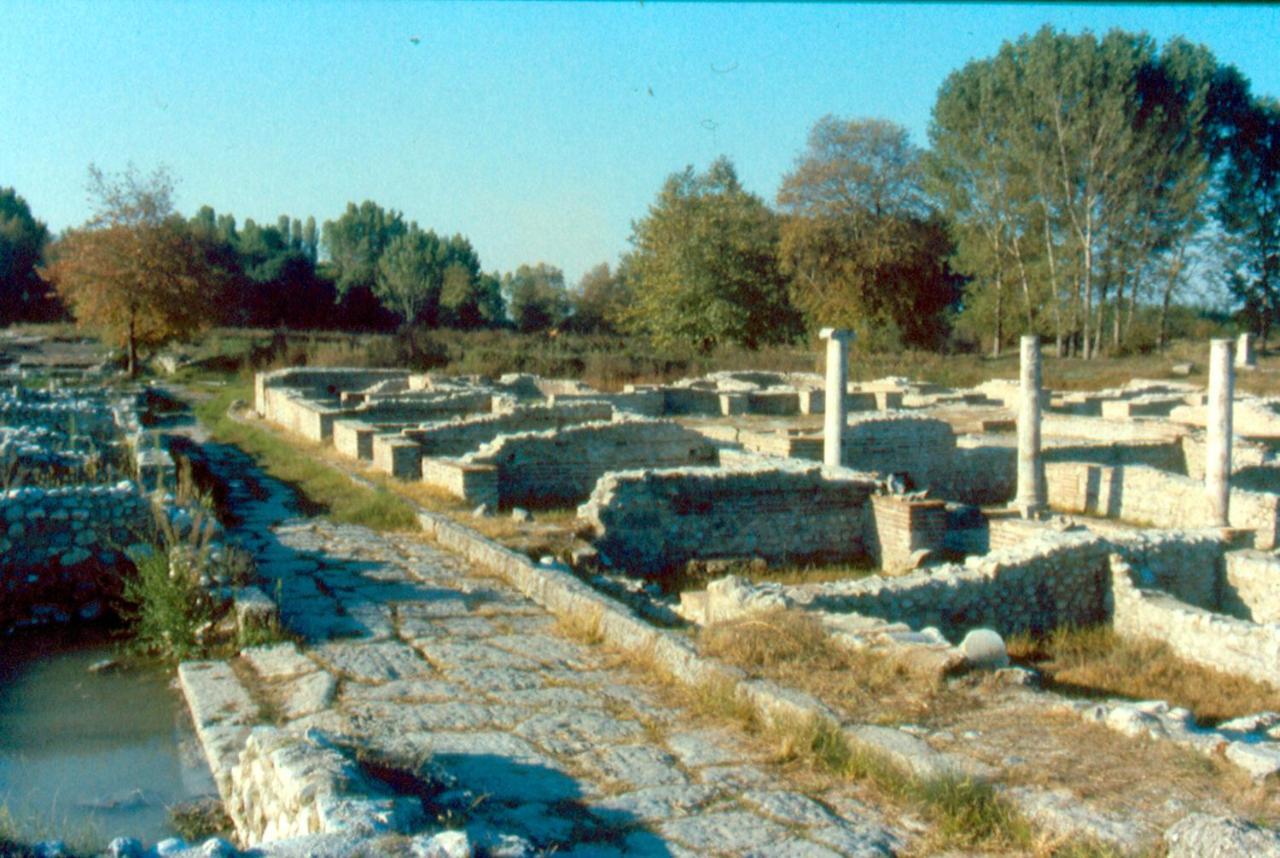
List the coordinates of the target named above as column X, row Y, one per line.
column 460, row 437
column 651, row 521
column 1215, row 640
column 59, row 548
column 1147, row 496
column 325, row 381
column 562, row 466
column 1055, row 579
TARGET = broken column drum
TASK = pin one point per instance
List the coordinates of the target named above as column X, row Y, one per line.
column 1032, row 497
column 834, row 406
column 1217, row 470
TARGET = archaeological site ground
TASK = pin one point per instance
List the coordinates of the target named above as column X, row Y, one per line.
column 745, row 613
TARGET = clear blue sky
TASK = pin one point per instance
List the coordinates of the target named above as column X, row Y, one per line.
column 539, row 130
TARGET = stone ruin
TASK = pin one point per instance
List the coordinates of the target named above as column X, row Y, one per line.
column 78, row 476
column 1011, row 507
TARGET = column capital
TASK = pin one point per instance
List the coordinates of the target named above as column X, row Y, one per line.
column 843, row 334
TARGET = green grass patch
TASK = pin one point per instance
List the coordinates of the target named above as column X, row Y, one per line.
column 321, row 489
column 165, row 611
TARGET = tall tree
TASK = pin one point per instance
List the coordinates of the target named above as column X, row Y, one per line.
column 136, row 272
column 410, row 276
column 357, row 239
column 536, row 296
column 601, row 301
column 22, row 244
column 704, row 265
column 1249, row 212
column 859, row 239
column 469, row 300
column 1077, row 168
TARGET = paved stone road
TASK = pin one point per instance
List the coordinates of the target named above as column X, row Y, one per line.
column 526, row 731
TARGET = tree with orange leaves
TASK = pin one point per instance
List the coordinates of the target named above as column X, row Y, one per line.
column 135, row 272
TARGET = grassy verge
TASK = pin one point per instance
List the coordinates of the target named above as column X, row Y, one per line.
column 792, row 649
column 321, row 489
column 964, row 814
column 610, row 362
column 1097, row 662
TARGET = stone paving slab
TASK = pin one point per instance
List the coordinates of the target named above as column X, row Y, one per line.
column 461, row 682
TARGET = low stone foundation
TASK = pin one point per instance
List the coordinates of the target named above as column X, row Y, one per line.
column 562, row 466
column 648, row 522
column 1215, row 640
column 1147, row 496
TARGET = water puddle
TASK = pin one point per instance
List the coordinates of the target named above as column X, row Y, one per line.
column 86, row 756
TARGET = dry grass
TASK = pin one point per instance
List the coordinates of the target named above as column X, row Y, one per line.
column 583, row 628
column 1095, row 661
column 792, row 649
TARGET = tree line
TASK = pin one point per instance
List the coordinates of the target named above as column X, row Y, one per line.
column 1075, row 186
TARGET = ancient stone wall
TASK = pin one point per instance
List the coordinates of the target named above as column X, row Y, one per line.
column 325, row 381
column 458, row 437
column 562, row 466
column 1059, row 580
column 286, row 786
column 641, row 402
column 1215, row 640
column 1147, row 496
column 1046, row 581
column 69, row 413
column 1245, row 455
column 1251, row 588
column 650, row 521
column 60, row 549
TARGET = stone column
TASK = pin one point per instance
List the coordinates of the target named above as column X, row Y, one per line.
column 1032, row 496
column 837, row 379
column 1244, row 352
column 1217, row 467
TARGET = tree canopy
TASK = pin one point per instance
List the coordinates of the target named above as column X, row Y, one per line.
column 1075, row 171
column 537, row 297
column 859, row 240
column 22, row 245
column 136, row 272
column 704, row 265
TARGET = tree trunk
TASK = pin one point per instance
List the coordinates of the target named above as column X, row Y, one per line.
column 1087, row 288
column 1058, row 333
column 1026, row 287
column 1171, row 282
column 998, row 339
column 133, row 351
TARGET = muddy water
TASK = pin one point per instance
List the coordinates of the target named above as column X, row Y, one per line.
column 90, row 756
